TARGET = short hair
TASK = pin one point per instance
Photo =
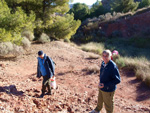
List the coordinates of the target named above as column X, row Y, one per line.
column 108, row 52
column 40, row 53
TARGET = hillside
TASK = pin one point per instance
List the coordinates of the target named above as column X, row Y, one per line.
column 117, row 25
column 77, row 89
column 106, row 3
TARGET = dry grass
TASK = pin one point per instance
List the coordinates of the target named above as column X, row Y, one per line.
column 93, row 47
column 93, row 56
column 140, row 66
column 93, row 69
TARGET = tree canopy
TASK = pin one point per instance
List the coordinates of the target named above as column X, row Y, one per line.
column 144, row 3
column 38, row 16
column 80, row 11
column 11, row 25
column 124, row 5
column 97, row 9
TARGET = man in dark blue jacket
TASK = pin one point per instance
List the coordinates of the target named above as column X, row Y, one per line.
column 46, row 69
column 109, row 78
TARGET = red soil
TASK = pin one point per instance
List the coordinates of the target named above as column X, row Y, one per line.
column 77, row 90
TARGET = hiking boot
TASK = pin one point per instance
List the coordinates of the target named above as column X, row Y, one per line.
column 41, row 96
column 48, row 93
column 93, row 111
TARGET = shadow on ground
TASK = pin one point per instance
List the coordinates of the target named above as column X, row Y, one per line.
column 143, row 91
column 11, row 90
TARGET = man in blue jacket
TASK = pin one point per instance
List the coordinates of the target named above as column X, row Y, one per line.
column 109, row 78
column 46, row 69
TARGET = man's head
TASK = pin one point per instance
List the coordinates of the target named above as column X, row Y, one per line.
column 41, row 54
column 106, row 55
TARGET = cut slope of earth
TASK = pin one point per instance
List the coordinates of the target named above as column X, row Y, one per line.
column 77, row 90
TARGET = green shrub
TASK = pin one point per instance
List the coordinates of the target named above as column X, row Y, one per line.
column 67, row 40
column 120, row 62
column 124, row 5
column 44, row 38
column 144, row 3
column 12, row 24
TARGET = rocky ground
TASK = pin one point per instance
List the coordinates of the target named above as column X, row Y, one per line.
column 77, row 88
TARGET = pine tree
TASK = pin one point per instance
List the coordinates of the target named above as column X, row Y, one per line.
column 80, row 11
column 11, row 25
column 47, row 12
column 144, row 3
column 124, row 5
column 97, row 9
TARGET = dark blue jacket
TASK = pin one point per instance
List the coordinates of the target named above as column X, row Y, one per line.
column 49, row 66
column 109, row 76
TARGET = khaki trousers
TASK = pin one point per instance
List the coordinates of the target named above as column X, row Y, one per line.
column 108, row 99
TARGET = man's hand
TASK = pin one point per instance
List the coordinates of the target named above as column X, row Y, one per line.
column 101, row 85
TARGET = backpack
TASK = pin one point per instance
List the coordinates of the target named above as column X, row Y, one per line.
column 51, row 64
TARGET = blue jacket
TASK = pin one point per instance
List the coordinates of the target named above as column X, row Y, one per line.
column 49, row 66
column 109, row 76
column 41, row 65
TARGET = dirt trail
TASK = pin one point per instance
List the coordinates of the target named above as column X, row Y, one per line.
column 77, row 92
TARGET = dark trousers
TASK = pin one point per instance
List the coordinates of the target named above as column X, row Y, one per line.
column 46, row 83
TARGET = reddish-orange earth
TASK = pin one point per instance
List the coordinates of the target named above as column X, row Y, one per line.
column 77, row 89
column 129, row 26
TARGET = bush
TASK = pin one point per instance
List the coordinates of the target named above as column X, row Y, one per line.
column 120, row 62
column 44, row 38
column 67, row 40
column 7, row 48
column 28, row 34
column 12, row 24
column 115, row 57
column 26, row 43
column 102, row 17
column 93, row 69
column 144, row 3
column 108, row 16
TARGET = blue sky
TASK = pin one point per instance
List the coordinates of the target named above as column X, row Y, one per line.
column 88, row 2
